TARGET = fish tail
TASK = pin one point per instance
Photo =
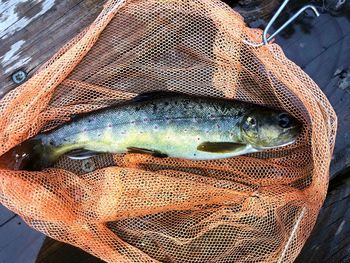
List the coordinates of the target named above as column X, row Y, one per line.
column 31, row 155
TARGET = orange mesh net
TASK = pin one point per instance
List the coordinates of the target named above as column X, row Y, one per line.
column 136, row 208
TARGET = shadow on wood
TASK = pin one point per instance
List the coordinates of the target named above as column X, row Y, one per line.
column 53, row 251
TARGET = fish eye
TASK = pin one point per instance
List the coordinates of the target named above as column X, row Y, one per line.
column 284, row 120
column 251, row 121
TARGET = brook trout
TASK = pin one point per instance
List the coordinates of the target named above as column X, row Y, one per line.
column 164, row 124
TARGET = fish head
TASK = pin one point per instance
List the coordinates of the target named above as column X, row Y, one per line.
column 266, row 129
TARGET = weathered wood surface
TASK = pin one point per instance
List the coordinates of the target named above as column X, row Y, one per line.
column 5, row 215
column 18, row 242
column 32, row 31
column 330, row 241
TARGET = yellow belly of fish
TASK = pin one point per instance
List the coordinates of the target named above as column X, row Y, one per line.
column 167, row 141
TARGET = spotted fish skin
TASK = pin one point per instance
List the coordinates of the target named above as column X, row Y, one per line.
column 173, row 125
column 163, row 124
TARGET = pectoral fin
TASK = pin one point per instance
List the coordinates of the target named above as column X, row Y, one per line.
column 81, row 154
column 146, row 151
column 220, row 147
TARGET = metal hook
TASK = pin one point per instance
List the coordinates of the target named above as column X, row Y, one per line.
column 290, row 20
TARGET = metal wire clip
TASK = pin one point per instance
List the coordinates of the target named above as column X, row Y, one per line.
column 265, row 39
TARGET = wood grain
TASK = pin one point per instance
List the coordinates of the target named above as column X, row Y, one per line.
column 5, row 215
column 330, row 239
column 18, row 242
column 32, row 31
column 27, row 45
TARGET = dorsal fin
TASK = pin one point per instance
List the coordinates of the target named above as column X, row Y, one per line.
column 151, row 95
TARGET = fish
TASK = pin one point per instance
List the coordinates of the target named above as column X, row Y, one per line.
column 162, row 124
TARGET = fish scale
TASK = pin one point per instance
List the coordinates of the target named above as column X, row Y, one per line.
column 161, row 130
column 165, row 124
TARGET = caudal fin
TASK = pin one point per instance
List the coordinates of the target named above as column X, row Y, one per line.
column 30, row 155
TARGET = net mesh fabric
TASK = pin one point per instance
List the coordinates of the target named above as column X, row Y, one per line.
column 137, row 208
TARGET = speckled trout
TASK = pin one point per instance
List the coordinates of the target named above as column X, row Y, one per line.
column 164, row 124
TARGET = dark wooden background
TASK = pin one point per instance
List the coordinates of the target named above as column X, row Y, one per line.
column 32, row 31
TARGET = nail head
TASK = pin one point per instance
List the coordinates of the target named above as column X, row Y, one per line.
column 19, row 76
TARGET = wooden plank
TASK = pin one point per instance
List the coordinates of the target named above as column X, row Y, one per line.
column 32, row 31
column 5, row 215
column 56, row 252
column 330, row 239
column 40, row 28
column 325, row 32
column 19, row 242
column 19, row 14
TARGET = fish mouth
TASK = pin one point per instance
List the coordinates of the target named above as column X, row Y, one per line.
column 275, row 146
column 294, row 130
